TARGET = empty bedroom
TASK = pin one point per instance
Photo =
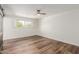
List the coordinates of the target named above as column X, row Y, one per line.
column 40, row 28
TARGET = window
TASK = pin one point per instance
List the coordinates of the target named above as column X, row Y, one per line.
column 23, row 24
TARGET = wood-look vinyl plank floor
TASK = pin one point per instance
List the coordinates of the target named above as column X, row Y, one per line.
column 37, row 45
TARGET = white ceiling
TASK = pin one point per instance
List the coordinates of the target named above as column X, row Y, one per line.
column 29, row 10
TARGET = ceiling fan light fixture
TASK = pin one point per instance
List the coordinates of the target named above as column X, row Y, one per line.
column 38, row 14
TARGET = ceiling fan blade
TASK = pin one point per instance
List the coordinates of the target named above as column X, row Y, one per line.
column 39, row 12
column 43, row 13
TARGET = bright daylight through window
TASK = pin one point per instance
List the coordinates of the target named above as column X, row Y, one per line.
column 23, row 24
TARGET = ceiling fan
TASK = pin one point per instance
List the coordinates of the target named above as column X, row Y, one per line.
column 40, row 13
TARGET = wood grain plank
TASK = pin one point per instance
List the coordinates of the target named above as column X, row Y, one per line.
column 38, row 45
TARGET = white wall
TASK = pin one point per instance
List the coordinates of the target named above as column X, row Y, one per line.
column 10, row 31
column 62, row 27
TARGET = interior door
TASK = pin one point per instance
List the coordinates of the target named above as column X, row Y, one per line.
column 1, row 33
